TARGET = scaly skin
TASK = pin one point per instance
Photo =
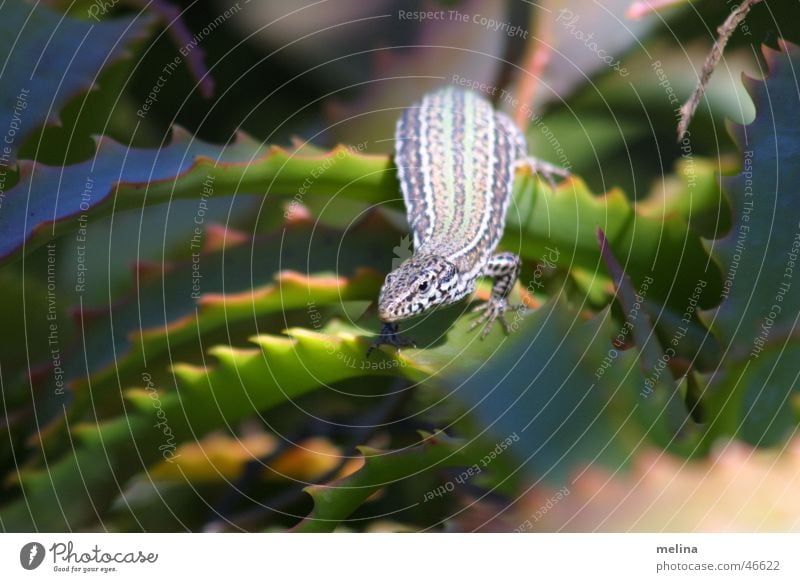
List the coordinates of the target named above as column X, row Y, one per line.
column 455, row 159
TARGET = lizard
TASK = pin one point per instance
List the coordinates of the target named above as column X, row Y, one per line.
column 456, row 158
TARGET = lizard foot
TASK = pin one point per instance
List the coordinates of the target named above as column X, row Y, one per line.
column 390, row 336
column 494, row 309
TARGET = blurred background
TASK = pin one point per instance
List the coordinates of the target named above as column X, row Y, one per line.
column 556, row 432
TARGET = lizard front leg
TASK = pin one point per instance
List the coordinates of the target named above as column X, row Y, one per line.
column 390, row 335
column 504, row 269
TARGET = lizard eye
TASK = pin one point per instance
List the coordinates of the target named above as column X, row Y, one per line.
column 423, row 287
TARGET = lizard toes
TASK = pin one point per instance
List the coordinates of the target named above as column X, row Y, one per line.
column 504, row 323
column 484, row 316
column 480, row 307
column 489, row 317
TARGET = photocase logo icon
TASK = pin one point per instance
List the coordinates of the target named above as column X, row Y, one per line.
column 31, row 555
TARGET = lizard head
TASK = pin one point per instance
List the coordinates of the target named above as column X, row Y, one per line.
column 417, row 285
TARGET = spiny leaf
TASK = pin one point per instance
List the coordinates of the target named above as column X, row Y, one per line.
column 753, row 399
column 335, row 501
column 559, row 384
column 759, row 256
column 123, row 178
column 756, row 323
column 49, row 59
column 291, row 290
column 561, row 395
column 49, row 200
column 693, row 192
column 654, row 244
column 175, row 312
column 244, row 381
column 92, row 475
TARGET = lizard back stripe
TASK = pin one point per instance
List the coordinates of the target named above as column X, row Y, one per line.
column 455, row 158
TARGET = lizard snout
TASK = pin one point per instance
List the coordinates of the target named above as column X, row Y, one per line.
column 387, row 314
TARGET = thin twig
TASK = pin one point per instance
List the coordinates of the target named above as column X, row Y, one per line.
column 725, row 31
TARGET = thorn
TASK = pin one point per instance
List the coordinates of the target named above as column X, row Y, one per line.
column 219, row 237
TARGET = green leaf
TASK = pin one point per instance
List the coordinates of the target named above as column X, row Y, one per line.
column 693, row 192
column 560, row 385
column 249, row 286
column 107, row 454
column 49, row 200
column 606, row 411
column 246, row 381
column 120, row 178
column 70, row 492
column 553, row 355
column 657, row 244
column 556, row 389
column 334, row 502
column 759, row 256
column 756, row 323
column 755, row 399
column 49, row 59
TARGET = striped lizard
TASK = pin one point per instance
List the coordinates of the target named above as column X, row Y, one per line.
column 455, row 158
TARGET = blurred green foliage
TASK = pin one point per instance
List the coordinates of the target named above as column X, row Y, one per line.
column 186, row 312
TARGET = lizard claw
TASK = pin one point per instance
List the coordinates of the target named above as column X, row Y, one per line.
column 494, row 310
column 390, row 336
